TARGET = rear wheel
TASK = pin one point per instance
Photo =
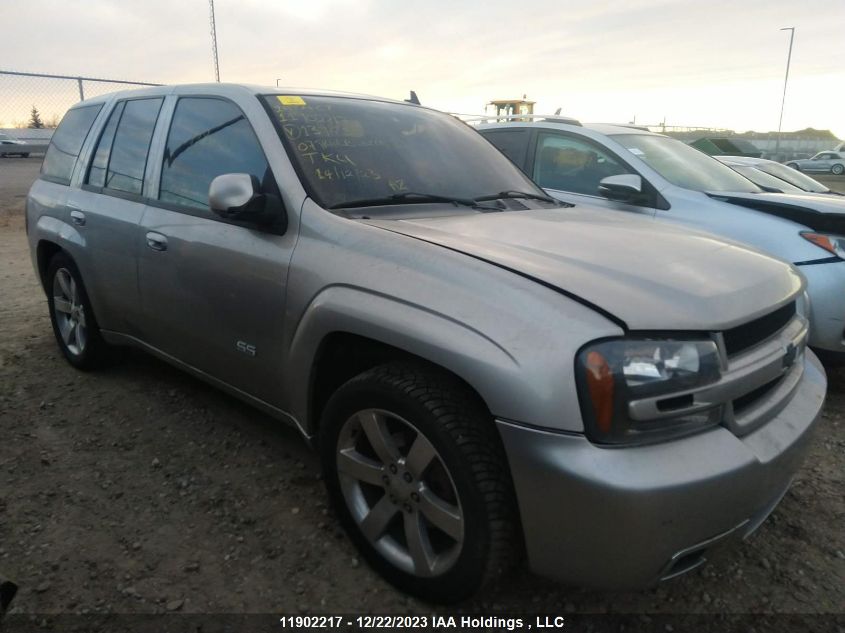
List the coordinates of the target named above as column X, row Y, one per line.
column 417, row 474
column 838, row 170
column 71, row 315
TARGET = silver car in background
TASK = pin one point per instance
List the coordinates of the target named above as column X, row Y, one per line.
column 829, row 162
column 11, row 147
column 484, row 370
column 638, row 172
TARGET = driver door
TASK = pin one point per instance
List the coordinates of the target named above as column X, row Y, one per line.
column 213, row 292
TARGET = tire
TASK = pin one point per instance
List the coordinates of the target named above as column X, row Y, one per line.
column 837, row 170
column 74, row 324
column 459, row 505
column 794, row 166
column 24, row 155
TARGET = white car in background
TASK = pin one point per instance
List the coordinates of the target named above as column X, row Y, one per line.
column 630, row 169
column 8, row 146
column 823, row 162
column 771, row 175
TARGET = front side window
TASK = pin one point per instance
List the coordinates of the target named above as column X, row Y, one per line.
column 121, row 155
column 67, row 141
column 683, row 165
column 347, row 150
column 209, row 137
column 569, row 164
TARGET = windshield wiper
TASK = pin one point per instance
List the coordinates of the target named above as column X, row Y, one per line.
column 410, row 197
column 513, row 193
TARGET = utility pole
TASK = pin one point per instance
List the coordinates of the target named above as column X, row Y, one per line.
column 791, row 30
column 214, row 42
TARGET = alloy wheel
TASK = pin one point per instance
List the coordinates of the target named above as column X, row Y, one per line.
column 69, row 312
column 400, row 492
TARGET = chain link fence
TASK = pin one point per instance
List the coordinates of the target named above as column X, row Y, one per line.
column 23, row 95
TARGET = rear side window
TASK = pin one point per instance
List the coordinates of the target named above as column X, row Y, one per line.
column 97, row 171
column 512, row 143
column 66, row 142
column 209, row 137
column 121, row 155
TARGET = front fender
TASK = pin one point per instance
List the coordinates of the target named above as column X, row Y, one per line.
column 483, row 363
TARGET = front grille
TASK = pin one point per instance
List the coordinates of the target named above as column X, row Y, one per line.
column 750, row 334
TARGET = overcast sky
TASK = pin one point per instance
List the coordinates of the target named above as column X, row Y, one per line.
column 697, row 62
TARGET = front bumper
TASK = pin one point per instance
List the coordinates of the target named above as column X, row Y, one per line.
column 826, row 288
column 629, row 517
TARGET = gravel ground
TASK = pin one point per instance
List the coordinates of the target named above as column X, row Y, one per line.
column 142, row 490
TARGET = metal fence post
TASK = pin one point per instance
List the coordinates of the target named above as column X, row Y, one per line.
column 81, row 91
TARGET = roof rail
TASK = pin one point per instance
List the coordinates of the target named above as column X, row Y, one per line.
column 492, row 118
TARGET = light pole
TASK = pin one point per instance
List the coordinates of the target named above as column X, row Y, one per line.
column 214, row 41
column 791, row 30
column 277, row 82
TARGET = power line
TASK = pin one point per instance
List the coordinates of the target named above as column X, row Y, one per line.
column 214, row 42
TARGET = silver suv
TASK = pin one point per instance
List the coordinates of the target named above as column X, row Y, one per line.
column 484, row 370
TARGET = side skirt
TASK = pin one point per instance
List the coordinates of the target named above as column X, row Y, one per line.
column 116, row 338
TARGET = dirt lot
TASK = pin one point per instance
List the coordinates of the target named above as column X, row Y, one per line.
column 142, row 490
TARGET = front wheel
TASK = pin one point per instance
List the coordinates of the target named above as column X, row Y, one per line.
column 838, row 170
column 416, row 472
column 794, row 166
column 71, row 315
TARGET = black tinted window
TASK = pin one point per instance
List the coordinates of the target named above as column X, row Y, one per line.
column 207, row 138
column 512, row 143
column 131, row 142
column 67, row 141
column 97, row 171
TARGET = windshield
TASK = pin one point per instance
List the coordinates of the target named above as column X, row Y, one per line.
column 793, row 177
column 5, row 137
column 763, row 179
column 349, row 150
column 683, row 165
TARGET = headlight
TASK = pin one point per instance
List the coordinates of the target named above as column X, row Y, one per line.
column 616, row 376
column 834, row 244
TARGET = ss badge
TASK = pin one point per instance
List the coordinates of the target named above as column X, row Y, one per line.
column 246, row 348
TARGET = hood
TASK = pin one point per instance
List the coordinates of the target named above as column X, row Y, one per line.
column 649, row 275
column 818, row 211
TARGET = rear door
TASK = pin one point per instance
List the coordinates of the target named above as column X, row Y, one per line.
column 212, row 291
column 108, row 207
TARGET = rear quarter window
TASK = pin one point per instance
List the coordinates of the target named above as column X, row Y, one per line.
column 66, row 142
column 512, row 143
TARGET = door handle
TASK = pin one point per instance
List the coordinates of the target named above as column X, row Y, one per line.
column 156, row 241
column 77, row 217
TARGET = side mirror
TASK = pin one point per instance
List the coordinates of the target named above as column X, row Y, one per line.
column 238, row 197
column 622, row 187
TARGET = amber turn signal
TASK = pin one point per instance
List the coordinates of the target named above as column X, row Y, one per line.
column 600, row 386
